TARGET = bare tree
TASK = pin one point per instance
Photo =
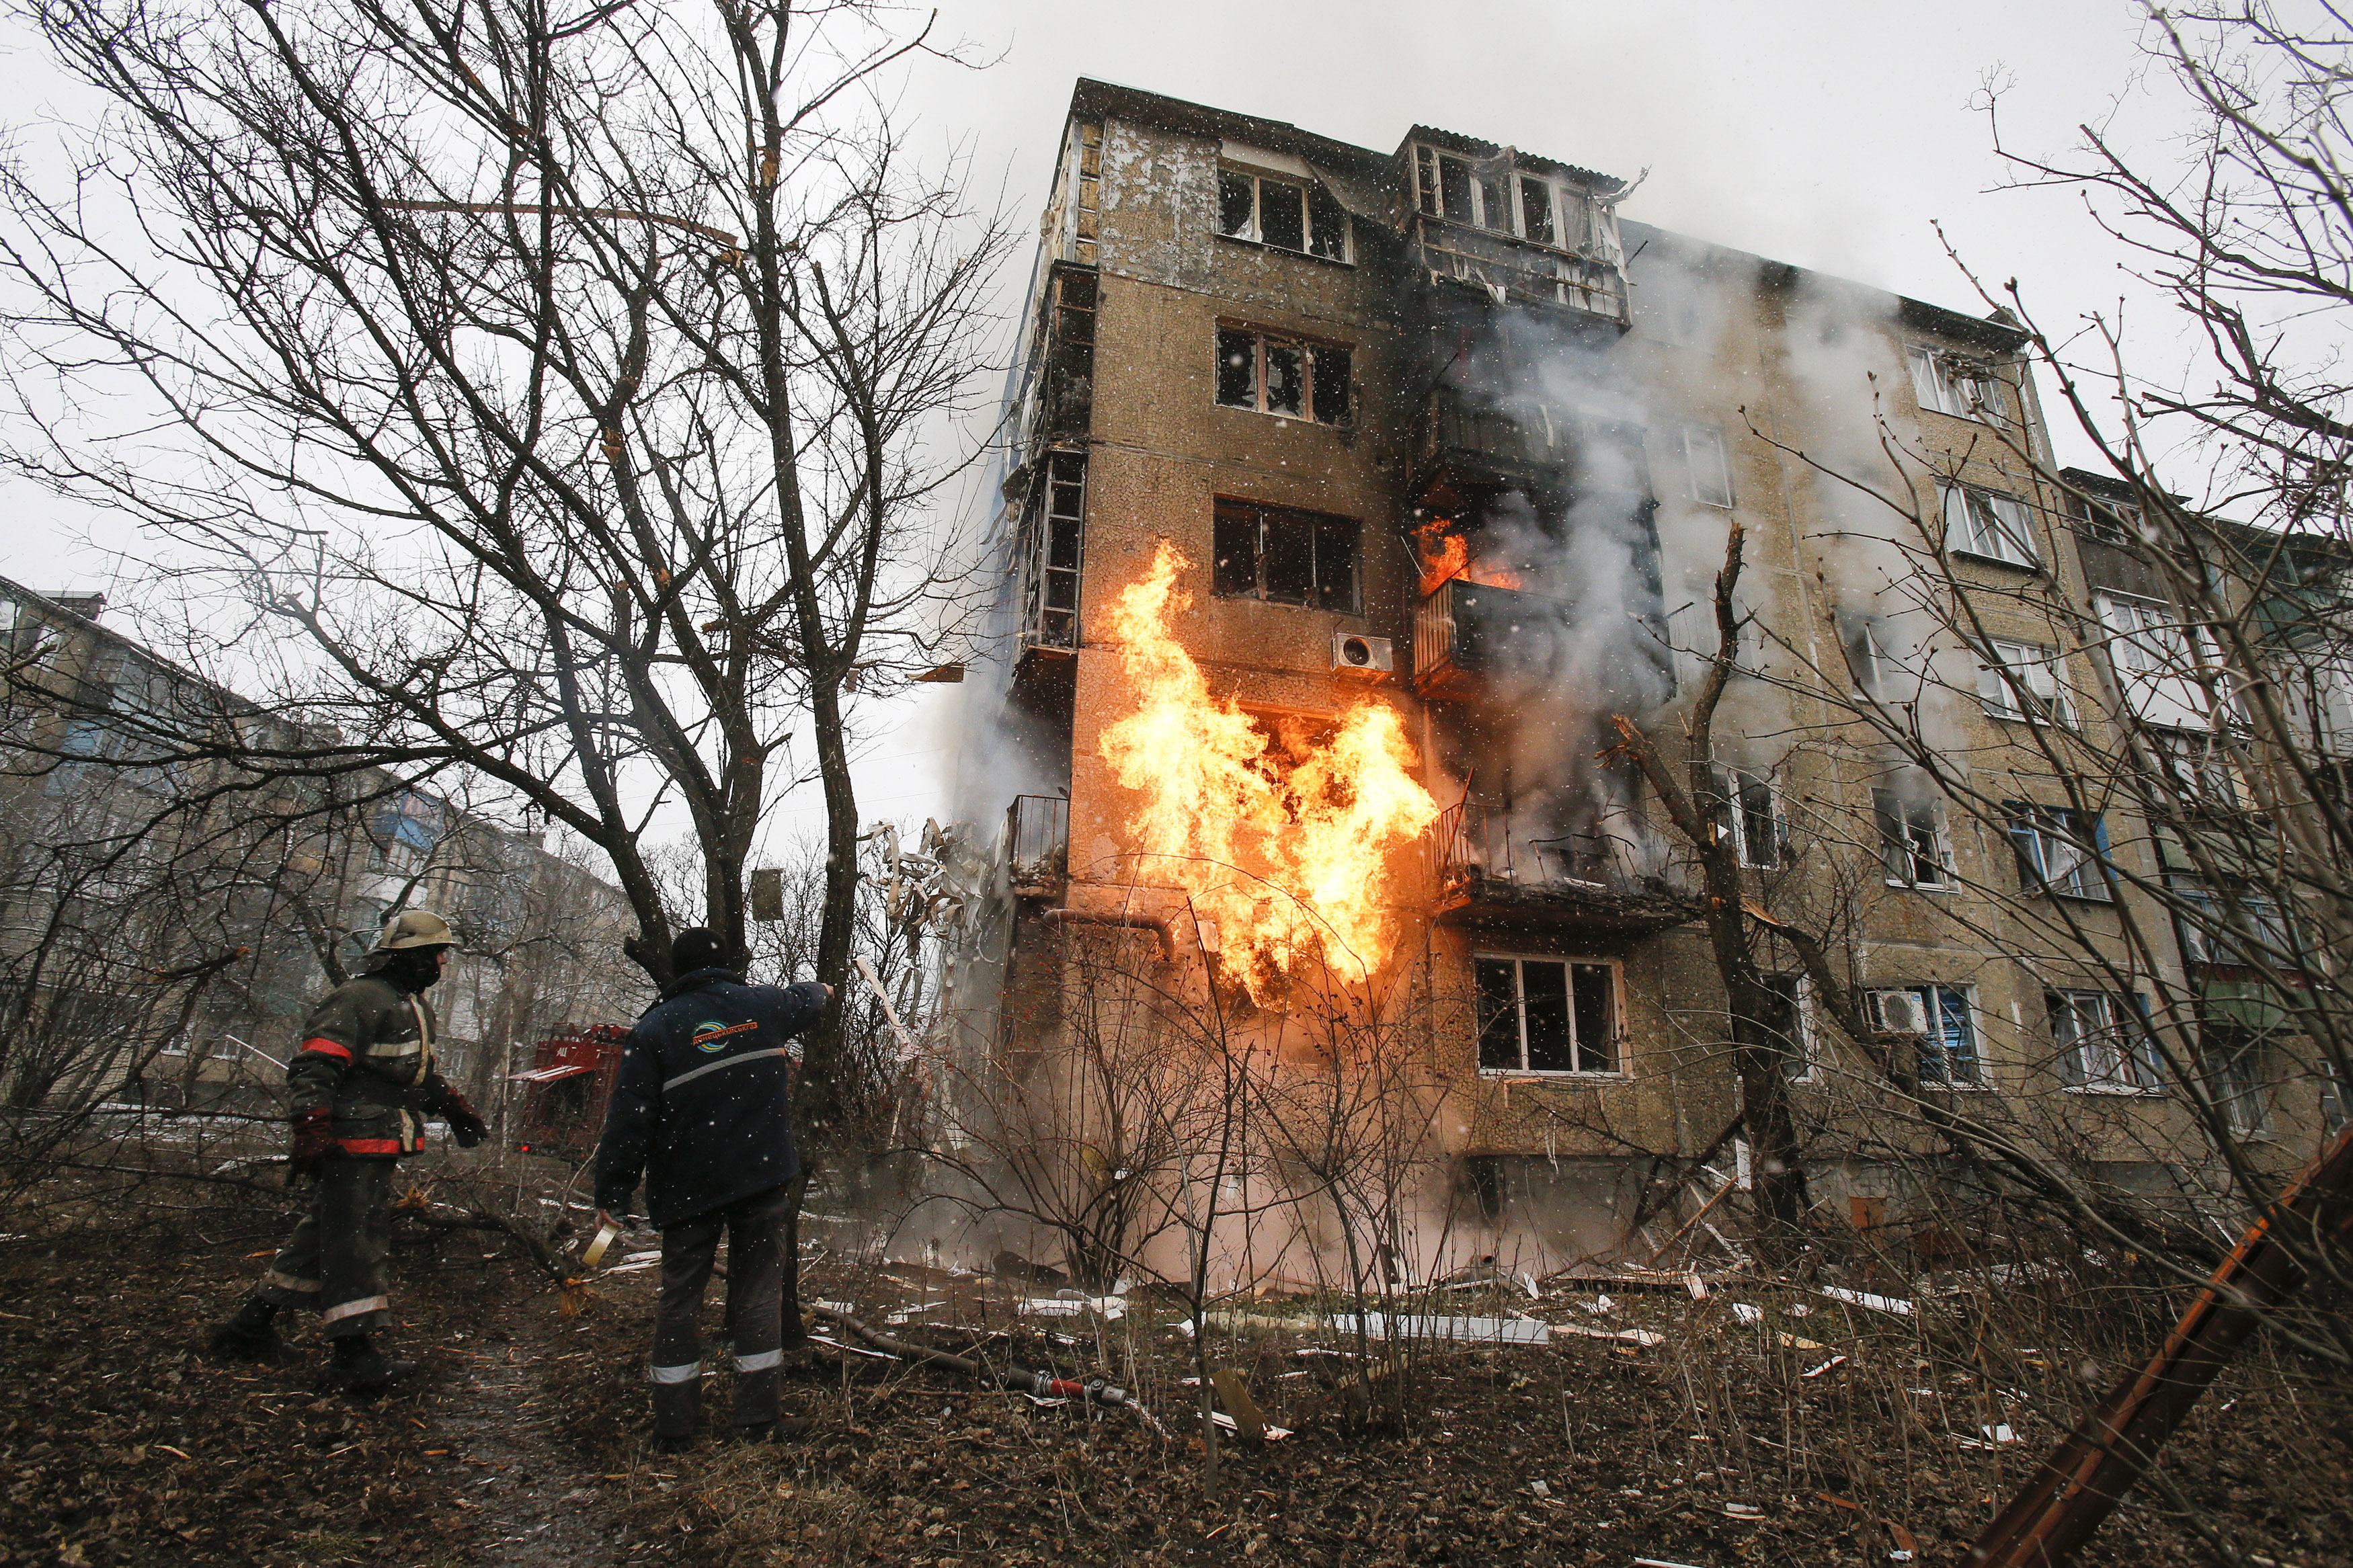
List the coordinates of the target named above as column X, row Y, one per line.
column 573, row 389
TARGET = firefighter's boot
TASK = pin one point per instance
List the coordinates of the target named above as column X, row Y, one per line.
column 251, row 1335
column 355, row 1366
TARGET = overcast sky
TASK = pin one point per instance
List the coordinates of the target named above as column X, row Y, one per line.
column 1830, row 134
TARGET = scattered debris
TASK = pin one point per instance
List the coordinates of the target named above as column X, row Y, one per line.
column 1746, row 1313
column 1895, row 1305
column 1481, row 1331
column 1818, row 1370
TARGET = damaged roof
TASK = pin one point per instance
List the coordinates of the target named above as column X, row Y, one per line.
column 1094, row 99
column 1477, row 147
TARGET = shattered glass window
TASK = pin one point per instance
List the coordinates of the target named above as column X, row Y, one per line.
column 1335, row 563
column 1286, row 379
column 1454, row 188
column 1235, row 574
column 1327, row 225
column 1234, row 200
column 1290, row 554
column 1499, row 1013
column 1545, row 1001
column 1495, row 202
column 1597, row 1032
column 1283, row 214
column 1237, row 368
column 1331, row 388
column 1535, row 210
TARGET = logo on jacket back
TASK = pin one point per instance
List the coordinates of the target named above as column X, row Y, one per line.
column 711, row 1034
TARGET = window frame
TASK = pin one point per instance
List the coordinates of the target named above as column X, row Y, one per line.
column 2033, row 827
column 1802, row 1037
column 2127, row 1071
column 1942, row 843
column 1932, row 994
column 1569, row 965
column 1308, row 349
column 1316, row 523
column 1947, row 395
column 1718, row 466
column 2004, row 683
column 1966, row 533
column 1254, row 231
column 1731, row 785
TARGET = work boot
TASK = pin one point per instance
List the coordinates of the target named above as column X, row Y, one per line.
column 783, row 1429
column 355, row 1366
column 251, row 1335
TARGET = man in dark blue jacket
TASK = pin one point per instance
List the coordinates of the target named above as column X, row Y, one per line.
column 702, row 1109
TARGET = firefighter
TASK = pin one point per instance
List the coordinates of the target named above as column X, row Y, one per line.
column 702, row 1109
column 360, row 1086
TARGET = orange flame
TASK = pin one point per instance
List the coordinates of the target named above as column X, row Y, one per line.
column 1447, row 554
column 1285, row 847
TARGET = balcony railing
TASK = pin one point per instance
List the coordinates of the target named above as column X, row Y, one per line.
column 1482, row 860
column 1511, row 273
column 1037, row 844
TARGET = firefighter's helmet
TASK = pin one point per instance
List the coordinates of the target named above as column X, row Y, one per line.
column 415, row 928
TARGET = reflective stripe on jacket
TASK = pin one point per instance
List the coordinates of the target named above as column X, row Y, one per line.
column 368, row 1054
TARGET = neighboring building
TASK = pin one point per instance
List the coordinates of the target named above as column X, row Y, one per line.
column 1437, row 424
column 164, row 928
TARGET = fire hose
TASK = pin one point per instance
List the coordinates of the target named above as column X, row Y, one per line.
column 1043, row 1383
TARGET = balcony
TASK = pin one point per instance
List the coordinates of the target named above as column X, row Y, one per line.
column 1037, row 844
column 1507, row 272
column 1485, row 870
column 1467, row 446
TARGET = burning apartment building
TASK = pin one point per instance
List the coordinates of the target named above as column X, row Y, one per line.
column 1350, row 493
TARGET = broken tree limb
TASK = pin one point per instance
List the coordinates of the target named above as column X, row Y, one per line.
column 2090, row 1472
column 1043, row 1383
column 1684, row 1228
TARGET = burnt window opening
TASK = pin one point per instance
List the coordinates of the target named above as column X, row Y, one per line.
column 1445, row 184
column 1913, row 845
column 1748, row 812
column 1285, row 377
column 1781, row 1018
column 1286, row 557
column 1087, row 204
column 1535, row 210
column 1495, row 203
column 1286, row 215
column 1056, row 549
column 1545, row 1015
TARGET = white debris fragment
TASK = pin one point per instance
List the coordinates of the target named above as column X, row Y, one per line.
column 1746, row 1313
column 1225, row 1424
column 1894, row 1305
column 1601, row 1306
column 1476, row 1331
column 1818, row 1370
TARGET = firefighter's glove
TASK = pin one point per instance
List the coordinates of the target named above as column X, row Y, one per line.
column 313, row 1140
column 467, row 1127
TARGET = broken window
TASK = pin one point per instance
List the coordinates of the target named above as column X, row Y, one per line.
column 1284, row 557
column 1282, row 375
column 1874, row 667
column 1749, row 810
column 1545, row 1015
column 1912, row 847
column 1495, row 202
column 1948, row 384
column 1785, row 1025
column 2102, row 1043
column 1535, row 210
column 2232, row 1056
column 1988, row 524
column 2060, row 850
column 1708, row 464
column 1948, row 1051
column 1444, row 184
column 2020, row 681
column 1284, row 214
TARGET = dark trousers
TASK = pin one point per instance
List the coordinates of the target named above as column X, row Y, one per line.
column 756, row 1232
column 334, row 1263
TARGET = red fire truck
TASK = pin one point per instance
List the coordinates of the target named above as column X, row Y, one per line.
column 566, row 1089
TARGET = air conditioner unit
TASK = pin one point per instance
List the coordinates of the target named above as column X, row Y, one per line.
column 1898, row 1012
column 1355, row 654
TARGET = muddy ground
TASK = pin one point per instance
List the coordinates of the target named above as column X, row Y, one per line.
column 523, row 1440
